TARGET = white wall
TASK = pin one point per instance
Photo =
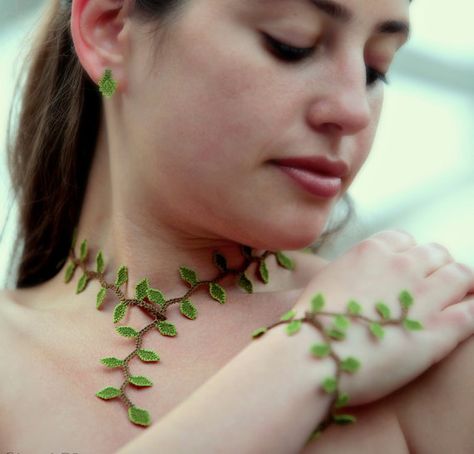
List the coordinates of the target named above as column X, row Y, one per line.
column 17, row 21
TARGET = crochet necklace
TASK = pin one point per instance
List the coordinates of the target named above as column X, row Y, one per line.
column 155, row 304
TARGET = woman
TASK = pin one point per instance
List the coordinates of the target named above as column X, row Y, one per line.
column 211, row 140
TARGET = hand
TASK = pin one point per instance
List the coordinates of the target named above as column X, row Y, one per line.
column 378, row 269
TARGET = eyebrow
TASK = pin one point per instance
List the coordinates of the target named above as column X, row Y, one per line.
column 344, row 15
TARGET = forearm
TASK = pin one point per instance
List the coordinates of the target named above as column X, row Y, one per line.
column 266, row 399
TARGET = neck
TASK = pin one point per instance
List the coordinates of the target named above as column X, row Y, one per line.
column 148, row 240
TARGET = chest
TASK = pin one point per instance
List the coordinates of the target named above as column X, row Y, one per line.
column 53, row 371
column 52, row 407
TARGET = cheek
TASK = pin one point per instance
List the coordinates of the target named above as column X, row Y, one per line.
column 201, row 138
column 222, row 111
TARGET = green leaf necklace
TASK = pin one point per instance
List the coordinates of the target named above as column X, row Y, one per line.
column 155, row 303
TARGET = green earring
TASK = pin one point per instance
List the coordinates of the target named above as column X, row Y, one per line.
column 107, row 85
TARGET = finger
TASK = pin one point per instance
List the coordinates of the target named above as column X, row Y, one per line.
column 449, row 284
column 430, row 257
column 455, row 324
column 395, row 240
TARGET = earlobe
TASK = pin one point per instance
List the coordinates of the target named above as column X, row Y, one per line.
column 97, row 30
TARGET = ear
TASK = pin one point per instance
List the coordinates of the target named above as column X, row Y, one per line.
column 100, row 34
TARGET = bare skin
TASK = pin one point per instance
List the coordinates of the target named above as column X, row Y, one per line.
column 58, row 344
column 166, row 189
column 52, row 374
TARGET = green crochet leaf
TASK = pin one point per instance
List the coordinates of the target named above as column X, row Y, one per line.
column 354, row 308
column 288, row 316
column 263, row 272
column 220, row 262
column 82, row 284
column 336, row 334
column 141, row 289
column 100, row 298
column 139, row 416
column 122, row 276
column 166, row 328
column 350, row 365
column 148, row 355
column 112, row 362
column 120, row 311
column 342, row 400
column 155, row 296
column 285, row 261
column 126, row 331
column 140, row 380
column 317, row 303
column 293, row 327
column 330, row 384
column 100, row 263
column 259, row 332
column 377, row 330
column 109, row 393
column 383, row 310
column 188, row 309
column 217, row 292
column 412, row 325
column 341, row 323
column 70, row 269
column 83, row 251
column 406, row 299
column 344, row 419
column 245, row 283
column 189, row 276
column 320, row 350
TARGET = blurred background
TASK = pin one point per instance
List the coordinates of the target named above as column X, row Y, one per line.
column 420, row 174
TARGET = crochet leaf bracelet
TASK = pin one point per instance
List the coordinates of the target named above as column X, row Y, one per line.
column 155, row 303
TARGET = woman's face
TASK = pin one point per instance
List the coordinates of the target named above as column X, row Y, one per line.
column 207, row 110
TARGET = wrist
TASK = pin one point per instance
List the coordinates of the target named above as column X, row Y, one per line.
column 303, row 369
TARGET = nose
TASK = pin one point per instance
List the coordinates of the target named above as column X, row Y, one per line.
column 341, row 102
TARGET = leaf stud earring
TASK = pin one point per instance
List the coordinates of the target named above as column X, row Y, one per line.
column 107, row 85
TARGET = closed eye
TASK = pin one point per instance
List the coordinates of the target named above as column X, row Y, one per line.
column 287, row 52
column 290, row 54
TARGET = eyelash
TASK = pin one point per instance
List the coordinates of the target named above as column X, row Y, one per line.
column 291, row 54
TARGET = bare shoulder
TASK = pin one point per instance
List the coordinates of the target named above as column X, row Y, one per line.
column 10, row 311
column 8, row 340
column 9, row 322
column 6, row 308
column 15, row 333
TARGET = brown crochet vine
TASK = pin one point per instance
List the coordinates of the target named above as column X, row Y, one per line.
column 154, row 302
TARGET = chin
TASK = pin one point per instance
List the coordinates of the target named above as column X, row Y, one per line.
column 281, row 239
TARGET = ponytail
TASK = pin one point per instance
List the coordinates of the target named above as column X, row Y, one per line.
column 50, row 156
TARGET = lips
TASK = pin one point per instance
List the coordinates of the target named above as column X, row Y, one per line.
column 316, row 164
column 316, row 174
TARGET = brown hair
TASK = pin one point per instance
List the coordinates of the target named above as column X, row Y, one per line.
column 50, row 155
